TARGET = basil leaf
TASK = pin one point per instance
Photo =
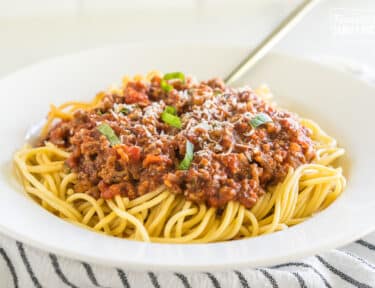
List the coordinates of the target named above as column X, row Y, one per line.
column 171, row 110
column 175, row 75
column 170, row 76
column 171, row 119
column 108, row 132
column 260, row 119
column 165, row 86
column 189, row 155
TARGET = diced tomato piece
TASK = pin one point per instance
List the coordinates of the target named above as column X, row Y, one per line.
column 132, row 152
column 152, row 159
column 108, row 191
column 136, row 93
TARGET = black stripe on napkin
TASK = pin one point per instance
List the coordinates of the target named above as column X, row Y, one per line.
column 10, row 267
column 123, row 278
column 154, row 280
column 242, row 279
column 359, row 259
column 214, row 280
column 59, row 272
column 301, row 282
column 341, row 274
column 365, row 244
column 183, row 279
column 90, row 274
column 301, row 264
column 26, row 262
column 269, row 277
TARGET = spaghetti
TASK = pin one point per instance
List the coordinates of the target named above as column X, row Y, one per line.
column 161, row 214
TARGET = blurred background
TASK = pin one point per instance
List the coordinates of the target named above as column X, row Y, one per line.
column 32, row 30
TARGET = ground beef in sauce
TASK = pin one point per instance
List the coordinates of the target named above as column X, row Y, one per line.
column 232, row 160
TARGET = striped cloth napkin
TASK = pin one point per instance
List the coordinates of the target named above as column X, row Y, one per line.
column 350, row 266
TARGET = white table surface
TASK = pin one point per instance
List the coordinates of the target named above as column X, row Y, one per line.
column 38, row 29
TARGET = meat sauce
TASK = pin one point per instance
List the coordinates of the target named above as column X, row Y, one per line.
column 232, row 160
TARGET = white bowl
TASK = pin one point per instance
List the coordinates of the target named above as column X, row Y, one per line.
column 342, row 105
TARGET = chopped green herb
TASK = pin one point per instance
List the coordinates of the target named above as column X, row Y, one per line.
column 260, row 119
column 171, row 119
column 171, row 110
column 165, row 86
column 170, row 76
column 108, row 132
column 189, row 155
column 175, row 75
